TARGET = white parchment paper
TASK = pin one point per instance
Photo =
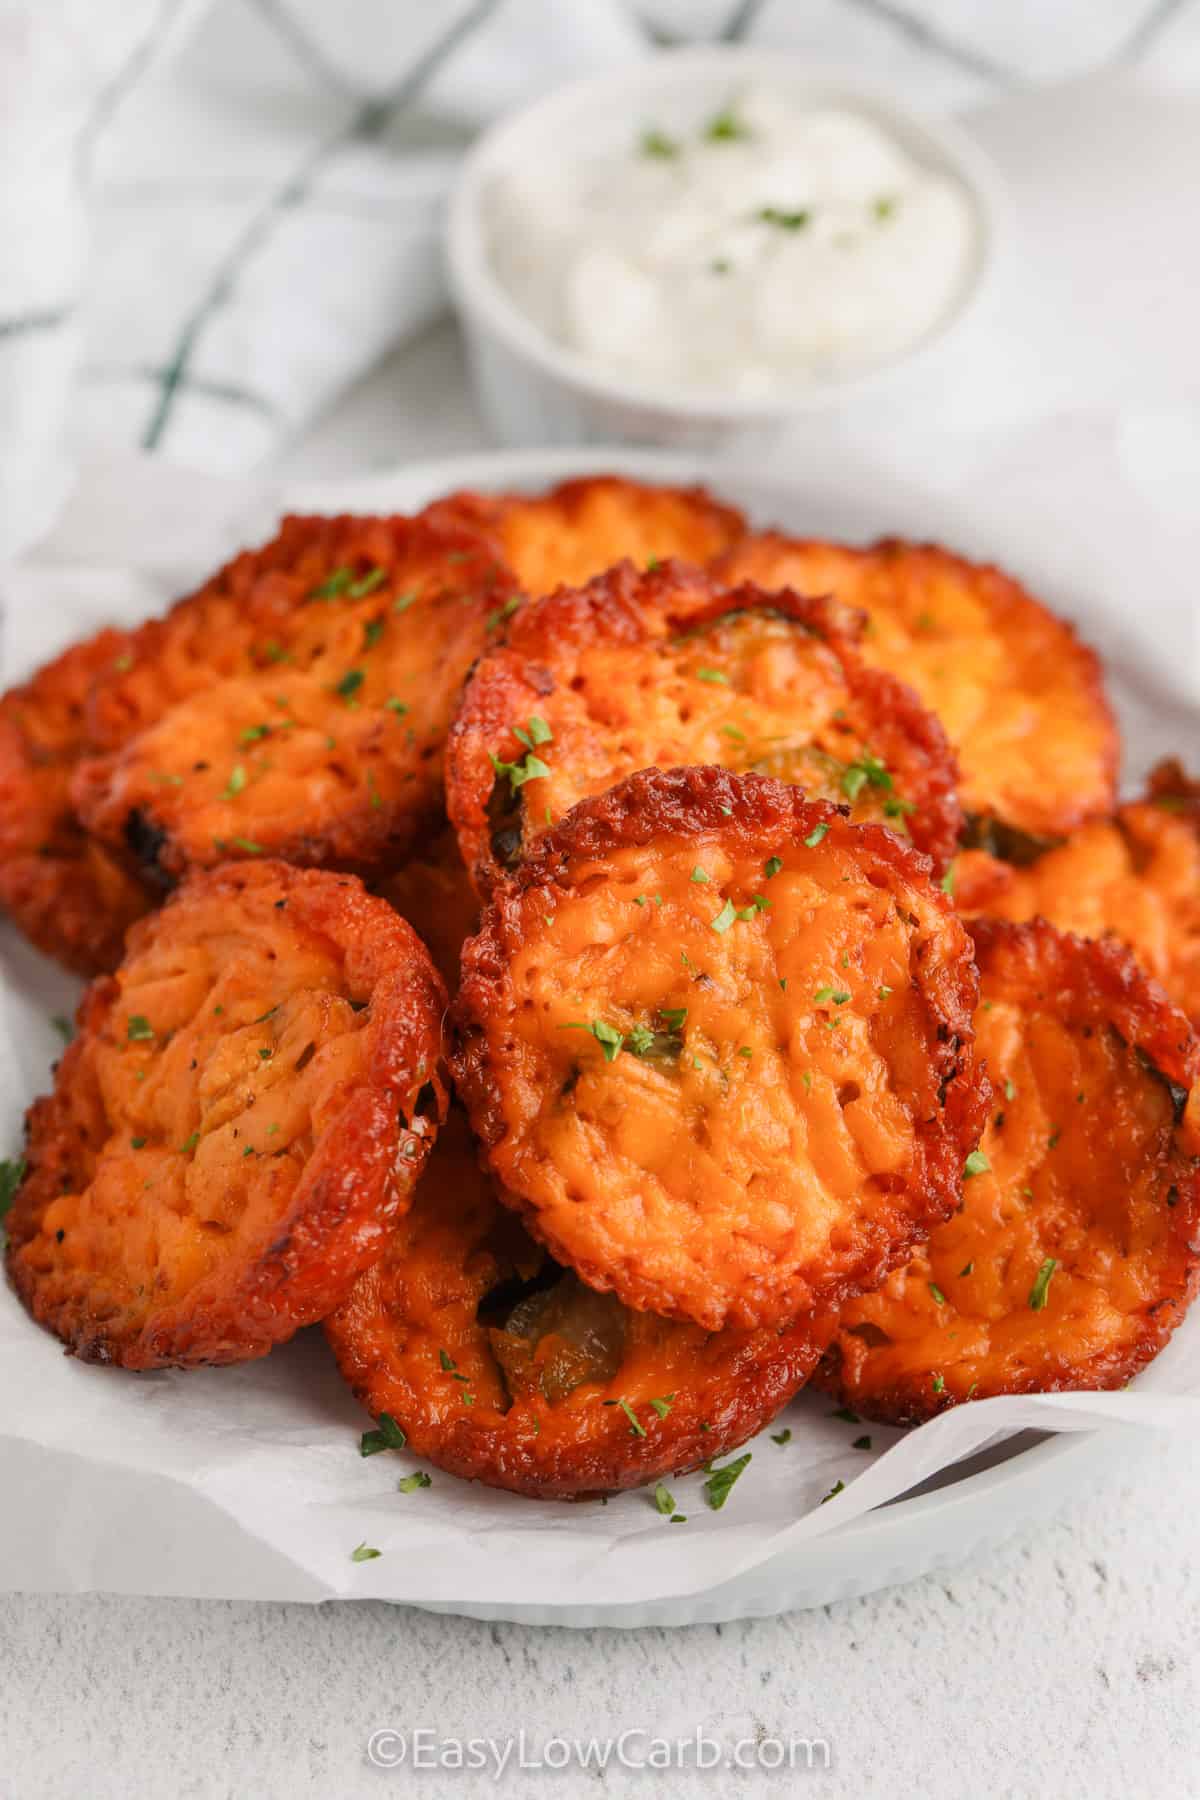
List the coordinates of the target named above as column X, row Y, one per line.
column 247, row 1482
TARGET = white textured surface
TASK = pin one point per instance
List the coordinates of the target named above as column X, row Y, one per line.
column 1065, row 1664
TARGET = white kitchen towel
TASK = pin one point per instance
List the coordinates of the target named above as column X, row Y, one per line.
column 217, row 213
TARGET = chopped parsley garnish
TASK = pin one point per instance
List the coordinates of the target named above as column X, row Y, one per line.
column 725, row 917
column 64, row 1027
column 772, row 867
column 189, row 1144
column 402, row 602
column 839, row 1487
column 531, row 767
column 398, row 707
column 537, row 732
column 237, row 781
column 374, row 578
column 1039, row 1292
column 815, row 835
column 12, row 1170
column 720, row 265
column 939, row 1298
column 883, row 992
column 664, row 1500
column 725, row 128
column 636, row 1428
column 673, row 1017
column 248, row 845
column 663, row 1404
column 252, row 734
column 333, row 585
column 885, row 207
column 364, row 1553
column 410, row 1483
column 939, row 1384
column 504, row 612
column 372, row 632
column 782, row 1437
column 607, row 1036
column 350, row 683
column 861, row 1443
column 966, row 1269
column 373, row 793
column 717, row 676
column 1052, row 1140
column 824, row 995
column 976, row 1164
column 699, row 874
column 137, row 1143
column 947, row 882
column 386, row 1436
column 1010, row 1092
column 657, row 143
column 447, row 1361
column 719, row 1484
column 139, row 1029
column 787, row 221
column 867, row 771
column 846, row 1412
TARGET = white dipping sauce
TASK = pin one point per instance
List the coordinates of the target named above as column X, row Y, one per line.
column 764, row 244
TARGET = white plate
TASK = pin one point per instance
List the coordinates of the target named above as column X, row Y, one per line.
column 988, row 1498
column 81, row 1511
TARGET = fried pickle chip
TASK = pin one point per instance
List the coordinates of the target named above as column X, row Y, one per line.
column 1134, row 877
column 580, row 528
column 500, row 1365
column 1022, row 700
column 432, row 891
column 241, row 1117
column 1077, row 1248
column 667, row 669
column 298, row 705
column 716, row 1041
column 68, row 893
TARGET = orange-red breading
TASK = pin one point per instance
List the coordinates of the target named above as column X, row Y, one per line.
column 665, row 669
column 297, row 706
column 1077, row 1248
column 580, row 528
column 1022, row 700
column 432, row 891
column 68, row 893
column 716, row 1041
column 498, row 1364
column 1135, row 877
column 241, row 1117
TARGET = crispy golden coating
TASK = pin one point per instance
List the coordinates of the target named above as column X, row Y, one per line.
column 241, row 1117
column 432, row 891
column 499, row 1365
column 1075, row 1254
column 1022, row 700
column 69, row 894
column 298, row 705
column 716, row 1041
column 1134, row 877
column 580, row 528
column 666, row 669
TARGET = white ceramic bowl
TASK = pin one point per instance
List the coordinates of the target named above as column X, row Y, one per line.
column 533, row 391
